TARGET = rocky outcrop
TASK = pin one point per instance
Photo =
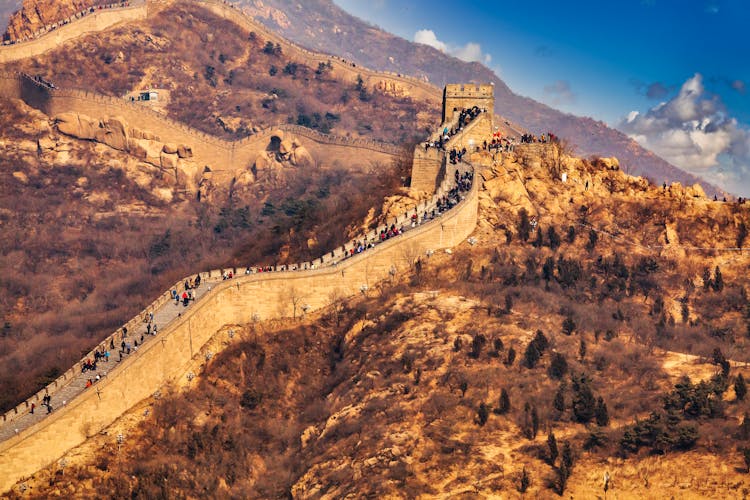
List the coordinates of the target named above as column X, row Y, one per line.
column 283, row 151
column 37, row 14
column 141, row 144
column 392, row 87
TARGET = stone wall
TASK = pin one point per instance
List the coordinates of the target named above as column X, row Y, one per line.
column 460, row 96
column 479, row 130
column 536, row 154
column 96, row 21
column 426, row 167
column 10, row 86
column 224, row 157
column 237, row 301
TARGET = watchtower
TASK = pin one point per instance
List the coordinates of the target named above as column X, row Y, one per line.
column 458, row 96
column 428, row 167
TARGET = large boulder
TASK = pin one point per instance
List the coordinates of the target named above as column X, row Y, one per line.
column 244, row 179
column 285, row 147
column 76, row 125
column 696, row 191
column 46, row 143
column 114, row 133
column 184, row 151
column 147, row 150
column 170, row 148
column 301, row 157
column 262, row 162
column 169, row 161
column 611, row 163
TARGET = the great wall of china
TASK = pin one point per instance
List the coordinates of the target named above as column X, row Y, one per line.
column 248, row 297
column 220, row 155
column 72, row 28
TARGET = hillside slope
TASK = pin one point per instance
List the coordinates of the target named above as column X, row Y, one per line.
column 74, row 210
column 321, row 25
column 603, row 328
column 225, row 80
column 36, row 14
column 7, row 8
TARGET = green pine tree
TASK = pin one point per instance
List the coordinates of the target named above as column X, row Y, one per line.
column 740, row 387
column 552, row 446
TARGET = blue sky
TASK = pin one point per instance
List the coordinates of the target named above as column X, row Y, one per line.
column 674, row 75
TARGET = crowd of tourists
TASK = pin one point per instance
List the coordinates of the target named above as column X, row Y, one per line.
column 547, row 138
column 500, row 144
column 463, row 182
column 465, row 117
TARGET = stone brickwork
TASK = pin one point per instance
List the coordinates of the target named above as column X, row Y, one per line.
column 426, row 168
column 458, row 96
column 429, row 165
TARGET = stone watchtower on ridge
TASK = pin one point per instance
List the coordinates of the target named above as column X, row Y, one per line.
column 428, row 168
column 458, row 96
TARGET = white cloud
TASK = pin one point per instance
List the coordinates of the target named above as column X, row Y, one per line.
column 472, row 51
column 694, row 132
column 428, row 37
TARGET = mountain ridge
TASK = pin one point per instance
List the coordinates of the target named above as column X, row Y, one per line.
column 322, row 25
column 370, row 46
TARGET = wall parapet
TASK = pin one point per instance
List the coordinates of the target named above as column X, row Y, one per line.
column 71, row 28
column 159, row 362
column 59, row 100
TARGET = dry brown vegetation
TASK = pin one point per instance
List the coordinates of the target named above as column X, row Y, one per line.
column 225, row 81
column 81, row 257
column 402, row 394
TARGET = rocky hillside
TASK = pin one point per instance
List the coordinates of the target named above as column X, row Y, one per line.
column 323, row 26
column 227, row 81
column 77, row 204
column 6, row 10
column 36, row 14
column 536, row 360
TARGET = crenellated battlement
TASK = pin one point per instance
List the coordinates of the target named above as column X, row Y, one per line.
column 458, row 96
column 247, row 297
column 428, row 168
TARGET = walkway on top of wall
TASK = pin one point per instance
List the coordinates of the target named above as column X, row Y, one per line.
column 64, row 394
column 165, row 314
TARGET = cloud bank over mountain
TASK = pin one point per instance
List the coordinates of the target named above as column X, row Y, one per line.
column 694, row 131
column 470, row 52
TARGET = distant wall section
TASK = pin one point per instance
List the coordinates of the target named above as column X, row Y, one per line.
column 224, row 157
column 98, row 20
